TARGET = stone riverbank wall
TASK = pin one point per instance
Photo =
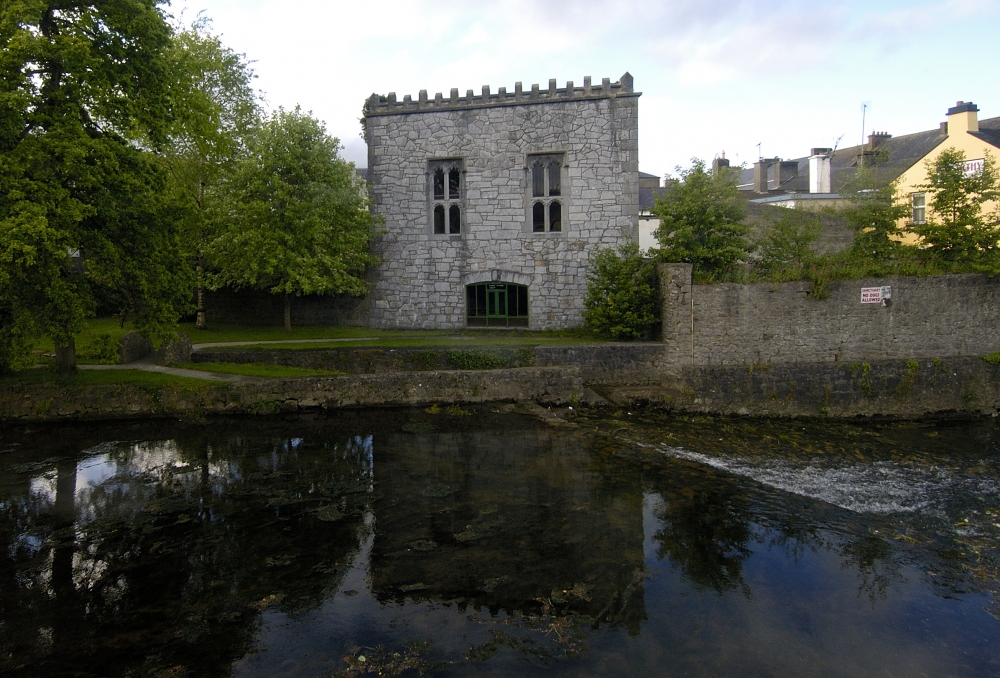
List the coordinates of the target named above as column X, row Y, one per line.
column 48, row 402
column 910, row 389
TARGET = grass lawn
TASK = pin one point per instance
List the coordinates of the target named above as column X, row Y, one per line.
column 396, row 340
column 219, row 333
column 47, row 375
column 256, row 370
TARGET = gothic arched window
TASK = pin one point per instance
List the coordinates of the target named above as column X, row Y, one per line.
column 546, row 193
column 447, row 190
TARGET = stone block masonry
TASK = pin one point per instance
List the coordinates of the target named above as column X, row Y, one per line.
column 591, row 130
column 774, row 323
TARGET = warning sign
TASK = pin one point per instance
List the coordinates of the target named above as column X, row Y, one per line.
column 875, row 295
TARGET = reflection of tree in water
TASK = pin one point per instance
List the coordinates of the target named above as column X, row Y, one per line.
column 875, row 561
column 172, row 558
column 706, row 534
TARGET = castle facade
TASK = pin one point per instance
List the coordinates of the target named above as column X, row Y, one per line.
column 494, row 203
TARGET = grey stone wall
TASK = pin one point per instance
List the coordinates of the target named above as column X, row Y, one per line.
column 934, row 316
column 421, row 282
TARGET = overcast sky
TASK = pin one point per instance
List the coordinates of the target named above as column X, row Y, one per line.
column 716, row 75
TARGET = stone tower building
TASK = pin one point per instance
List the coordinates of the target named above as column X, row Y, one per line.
column 494, row 203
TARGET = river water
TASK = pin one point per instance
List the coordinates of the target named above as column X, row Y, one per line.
column 490, row 542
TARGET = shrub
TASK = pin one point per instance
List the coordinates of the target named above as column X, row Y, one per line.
column 476, row 360
column 622, row 299
column 102, row 347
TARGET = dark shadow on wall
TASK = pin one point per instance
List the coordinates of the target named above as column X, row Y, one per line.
column 258, row 307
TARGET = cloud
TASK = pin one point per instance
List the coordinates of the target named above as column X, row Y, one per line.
column 723, row 55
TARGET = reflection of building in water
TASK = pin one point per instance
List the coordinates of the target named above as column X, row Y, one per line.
column 508, row 521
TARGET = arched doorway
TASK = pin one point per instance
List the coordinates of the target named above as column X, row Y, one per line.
column 496, row 304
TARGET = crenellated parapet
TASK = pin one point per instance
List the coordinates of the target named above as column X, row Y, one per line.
column 388, row 105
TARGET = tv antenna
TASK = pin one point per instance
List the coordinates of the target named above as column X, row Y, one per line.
column 759, row 156
column 865, row 105
column 836, row 143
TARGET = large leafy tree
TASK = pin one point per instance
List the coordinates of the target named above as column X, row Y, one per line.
column 957, row 229
column 300, row 222
column 703, row 221
column 83, row 98
column 215, row 109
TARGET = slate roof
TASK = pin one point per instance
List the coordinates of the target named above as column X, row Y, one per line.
column 648, row 196
column 902, row 153
column 989, row 131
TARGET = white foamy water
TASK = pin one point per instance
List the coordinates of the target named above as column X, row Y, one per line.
column 880, row 487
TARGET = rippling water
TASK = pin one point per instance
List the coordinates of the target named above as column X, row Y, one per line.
column 468, row 542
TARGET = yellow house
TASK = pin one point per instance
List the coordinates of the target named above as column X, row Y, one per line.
column 962, row 132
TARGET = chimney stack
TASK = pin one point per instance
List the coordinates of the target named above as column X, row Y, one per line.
column 876, row 139
column 819, row 170
column 719, row 162
column 760, row 172
column 963, row 117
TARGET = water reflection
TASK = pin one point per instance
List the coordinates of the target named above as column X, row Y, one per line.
column 146, row 556
column 407, row 541
column 519, row 522
column 706, row 532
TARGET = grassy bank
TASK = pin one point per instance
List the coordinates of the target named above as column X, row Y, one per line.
column 221, row 333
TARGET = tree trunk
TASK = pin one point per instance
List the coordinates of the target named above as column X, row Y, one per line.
column 66, row 357
column 200, row 317
column 288, row 312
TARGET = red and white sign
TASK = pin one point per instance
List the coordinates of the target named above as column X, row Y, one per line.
column 875, row 295
column 973, row 167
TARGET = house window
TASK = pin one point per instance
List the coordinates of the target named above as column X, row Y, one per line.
column 919, row 208
column 546, row 193
column 447, row 189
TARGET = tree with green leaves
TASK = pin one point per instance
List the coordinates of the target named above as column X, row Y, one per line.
column 957, row 230
column 786, row 244
column 702, row 221
column 874, row 213
column 622, row 299
column 84, row 96
column 299, row 221
column 216, row 108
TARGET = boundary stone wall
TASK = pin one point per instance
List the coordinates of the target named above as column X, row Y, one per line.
column 764, row 323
